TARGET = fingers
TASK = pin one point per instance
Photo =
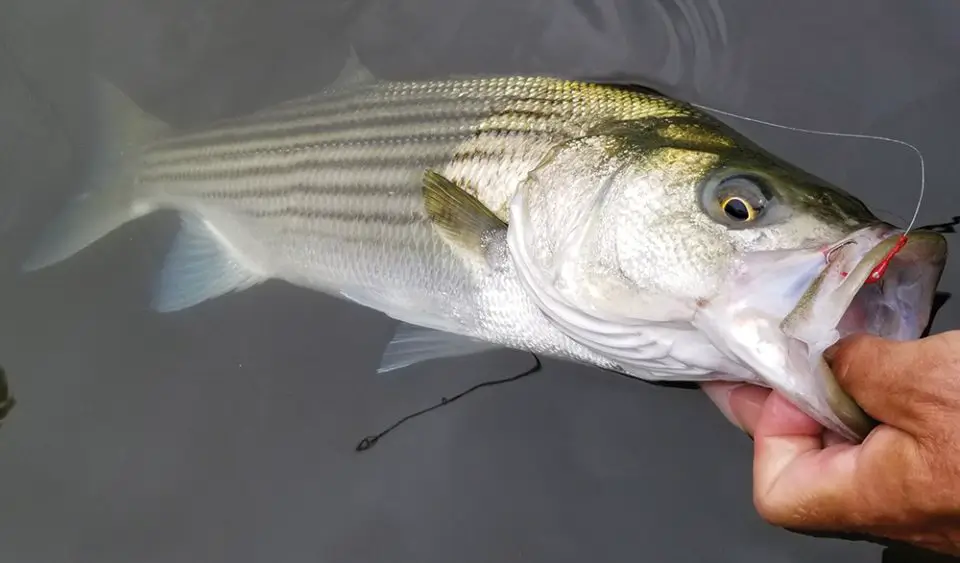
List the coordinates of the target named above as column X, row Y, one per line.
column 897, row 383
column 900, row 480
column 740, row 403
column 803, row 485
column 796, row 482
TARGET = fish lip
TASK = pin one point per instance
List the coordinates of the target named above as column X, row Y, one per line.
column 920, row 259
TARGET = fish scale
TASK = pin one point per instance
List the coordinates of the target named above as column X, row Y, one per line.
column 328, row 190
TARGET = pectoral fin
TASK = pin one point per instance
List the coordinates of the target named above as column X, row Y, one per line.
column 461, row 219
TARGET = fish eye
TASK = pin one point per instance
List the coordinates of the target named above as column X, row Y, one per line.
column 735, row 200
column 738, row 209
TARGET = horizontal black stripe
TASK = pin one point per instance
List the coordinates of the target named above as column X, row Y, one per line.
column 153, row 158
column 319, row 165
column 275, row 192
column 367, row 99
column 451, row 103
column 452, row 119
column 392, row 219
column 453, row 138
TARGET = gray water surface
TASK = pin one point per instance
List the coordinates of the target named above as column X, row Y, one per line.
column 226, row 433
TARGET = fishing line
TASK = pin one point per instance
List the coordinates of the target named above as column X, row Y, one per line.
column 881, row 268
column 923, row 167
column 372, row 440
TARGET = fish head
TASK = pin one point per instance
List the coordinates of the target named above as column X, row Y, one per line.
column 680, row 250
column 816, row 274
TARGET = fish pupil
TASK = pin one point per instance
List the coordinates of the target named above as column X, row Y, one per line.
column 737, row 209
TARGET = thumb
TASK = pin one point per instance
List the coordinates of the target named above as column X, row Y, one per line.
column 889, row 379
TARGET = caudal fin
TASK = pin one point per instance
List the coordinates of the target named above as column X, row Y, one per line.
column 109, row 198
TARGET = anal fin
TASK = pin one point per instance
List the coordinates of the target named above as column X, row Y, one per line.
column 199, row 267
column 413, row 344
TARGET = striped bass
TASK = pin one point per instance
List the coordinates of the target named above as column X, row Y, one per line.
column 607, row 225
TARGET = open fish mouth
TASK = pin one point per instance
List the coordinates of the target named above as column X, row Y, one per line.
column 783, row 309
column 875, row 282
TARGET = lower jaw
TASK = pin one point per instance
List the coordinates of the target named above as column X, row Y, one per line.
column 754, row 326
column 896, row 305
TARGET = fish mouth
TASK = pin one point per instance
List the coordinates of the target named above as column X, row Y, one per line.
column 782, row 309
column 878, row 281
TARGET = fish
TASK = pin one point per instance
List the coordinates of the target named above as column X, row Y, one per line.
column 603, row 224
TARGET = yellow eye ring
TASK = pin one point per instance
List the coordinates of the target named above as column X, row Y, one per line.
column 738, row 209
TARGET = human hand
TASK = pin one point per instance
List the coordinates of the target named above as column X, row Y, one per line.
column 901, row 483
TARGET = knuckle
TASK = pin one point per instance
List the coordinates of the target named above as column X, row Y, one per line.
column 948, row 370
column 933, row 486
column 920, row 492
column 855, row 350
column 936, row 373
column 841, row 362
column 776, row 512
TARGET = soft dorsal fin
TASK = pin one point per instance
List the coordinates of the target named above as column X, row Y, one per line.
column 461, row 219
column 627, row 85
column 354, row 73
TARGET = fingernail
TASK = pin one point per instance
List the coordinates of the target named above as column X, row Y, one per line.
column 741, row 404
column 720, row 395
column 747, row 406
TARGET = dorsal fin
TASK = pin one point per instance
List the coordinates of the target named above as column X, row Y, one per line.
column 627, row 84
column 354, row 73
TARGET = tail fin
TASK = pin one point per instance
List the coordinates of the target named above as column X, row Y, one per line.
column 109, row 199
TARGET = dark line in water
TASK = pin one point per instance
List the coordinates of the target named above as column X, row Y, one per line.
column 370, row 441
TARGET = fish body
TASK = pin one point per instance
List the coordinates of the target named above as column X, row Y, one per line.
column 589, row 222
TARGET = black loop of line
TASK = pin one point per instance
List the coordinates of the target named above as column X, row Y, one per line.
column 372, row 440
column 947, row 227
column 7, row 400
